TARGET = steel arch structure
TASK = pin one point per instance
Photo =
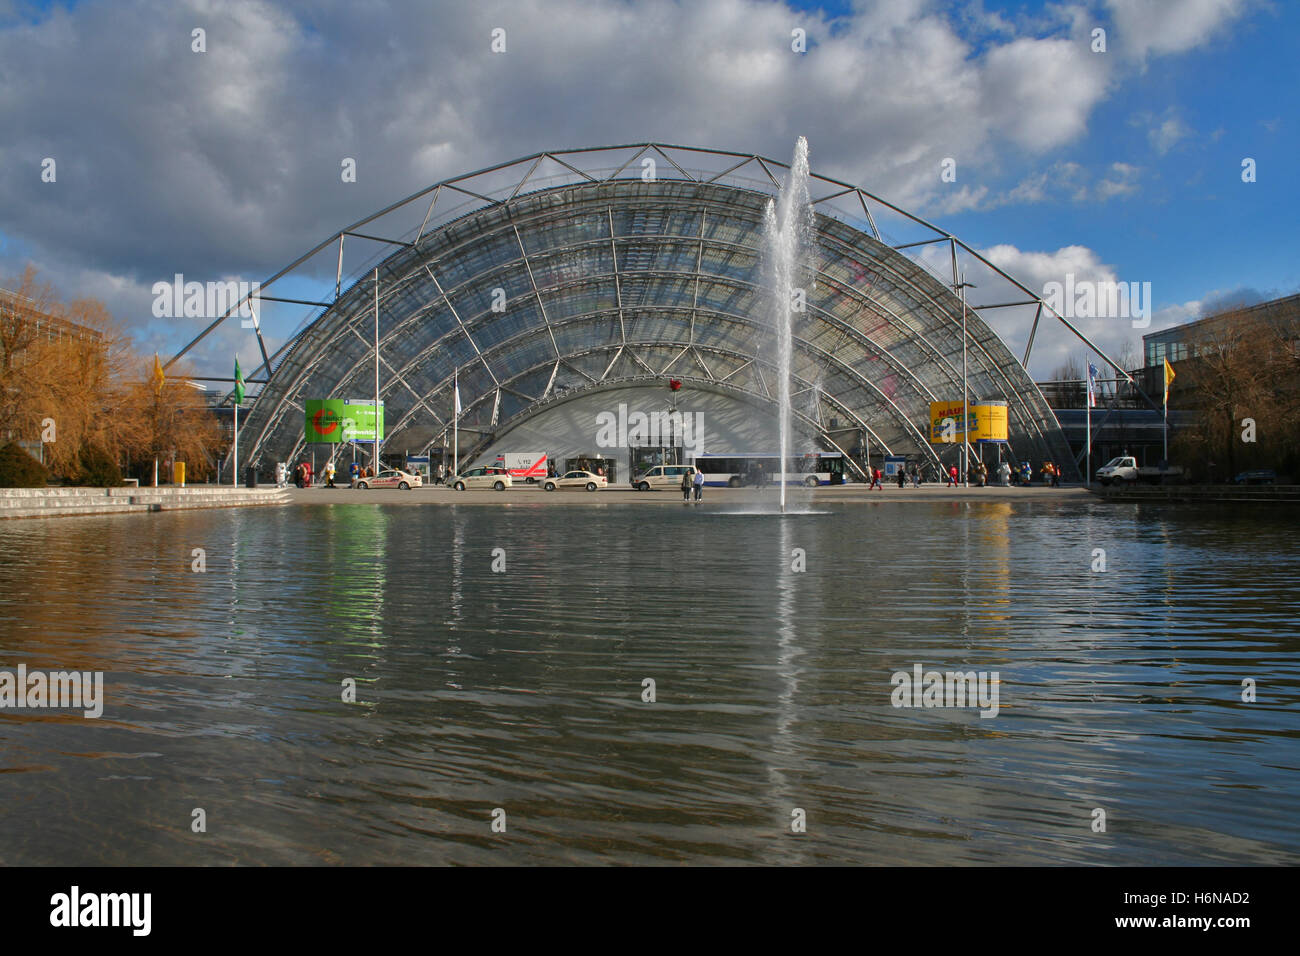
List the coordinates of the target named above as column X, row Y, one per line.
column 598, row 269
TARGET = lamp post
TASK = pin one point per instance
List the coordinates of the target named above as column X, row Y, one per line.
column 965, row 406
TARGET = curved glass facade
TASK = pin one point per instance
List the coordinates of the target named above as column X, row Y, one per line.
column 601, row 285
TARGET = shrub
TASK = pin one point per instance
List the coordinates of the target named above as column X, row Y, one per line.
column 96, row 469
column 19, row 469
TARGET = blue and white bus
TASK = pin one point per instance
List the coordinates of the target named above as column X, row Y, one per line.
column 736, row 471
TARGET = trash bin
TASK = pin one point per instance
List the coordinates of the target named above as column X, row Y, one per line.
column 251, row 480
column 178, row 473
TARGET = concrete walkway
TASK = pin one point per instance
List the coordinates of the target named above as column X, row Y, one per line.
column 67, row 502
column 623, row 494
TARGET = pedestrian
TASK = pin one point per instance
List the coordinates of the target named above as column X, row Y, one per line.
column 1056, row 476
column 952, row 477
column 915, row 475
column 902, row 476
column 686, row 484
column 699, row 484
column 875, row 480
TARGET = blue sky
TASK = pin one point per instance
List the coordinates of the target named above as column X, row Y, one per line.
column 1120, row 165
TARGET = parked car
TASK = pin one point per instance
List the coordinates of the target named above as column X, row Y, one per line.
column 523, row 466
column 392, row 478
column 660, row 476
column 498, row 479
column 1125, row 469
column 1263, row 476
column 576, row 480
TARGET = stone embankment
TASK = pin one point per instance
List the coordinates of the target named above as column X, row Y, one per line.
column 67, row 502
column 1209, row 494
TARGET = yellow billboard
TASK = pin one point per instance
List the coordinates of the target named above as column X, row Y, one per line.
column 987, row 421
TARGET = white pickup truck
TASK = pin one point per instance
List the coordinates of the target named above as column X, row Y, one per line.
column 1125, row 469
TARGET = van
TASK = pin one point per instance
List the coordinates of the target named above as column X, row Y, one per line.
column 661, row 476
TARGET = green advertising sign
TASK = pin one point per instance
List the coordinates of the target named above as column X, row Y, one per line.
column 336, row 420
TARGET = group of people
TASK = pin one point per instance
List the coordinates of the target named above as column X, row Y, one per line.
column 302, row 474
column 977, row 475
column 692, row 478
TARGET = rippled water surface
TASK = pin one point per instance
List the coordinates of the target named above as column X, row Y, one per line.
column 522, row 689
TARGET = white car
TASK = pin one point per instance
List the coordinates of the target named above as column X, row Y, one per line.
column 1118, row 469
column 661, row 476
column 392, row 478
column 498, row 479
column 576, row 480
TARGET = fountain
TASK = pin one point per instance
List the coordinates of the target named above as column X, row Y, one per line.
column 787, row 235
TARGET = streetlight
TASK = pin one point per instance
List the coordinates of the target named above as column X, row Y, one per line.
column 965, row 407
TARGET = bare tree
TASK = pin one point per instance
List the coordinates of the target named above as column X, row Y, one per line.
column 1241, row 388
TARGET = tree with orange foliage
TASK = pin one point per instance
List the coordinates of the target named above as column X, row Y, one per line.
column 69, row 379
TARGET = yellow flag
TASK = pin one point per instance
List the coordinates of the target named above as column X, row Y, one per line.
column 158, row 377
column 1169, row 379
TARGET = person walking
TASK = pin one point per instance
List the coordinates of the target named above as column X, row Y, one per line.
column 875, row 480
column 902, row 477
column 699, row 484
column 952, row 477
column 686, row 484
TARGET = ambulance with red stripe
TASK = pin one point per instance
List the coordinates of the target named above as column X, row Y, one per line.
column 523, row 466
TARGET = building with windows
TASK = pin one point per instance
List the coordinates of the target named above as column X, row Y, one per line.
column 1185, row 341
column 565, row 287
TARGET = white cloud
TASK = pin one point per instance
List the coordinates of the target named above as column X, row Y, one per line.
column 1168, row 134
column 1122, row 181
column 1158, row 27
column 1055, row 343
column 228, row 162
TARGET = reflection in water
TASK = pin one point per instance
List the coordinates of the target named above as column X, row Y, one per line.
column 785, row 744
column 523, row 689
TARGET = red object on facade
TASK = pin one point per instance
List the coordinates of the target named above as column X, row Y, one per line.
column 674, row 384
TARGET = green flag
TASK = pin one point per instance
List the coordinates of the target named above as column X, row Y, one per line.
column 239, row 383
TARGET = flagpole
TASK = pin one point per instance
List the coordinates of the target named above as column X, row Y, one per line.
column 235, row 476
column 455, row 422
column 377, row 465
column 1089, row 392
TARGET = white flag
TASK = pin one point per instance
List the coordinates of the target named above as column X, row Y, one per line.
column 457, row 411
